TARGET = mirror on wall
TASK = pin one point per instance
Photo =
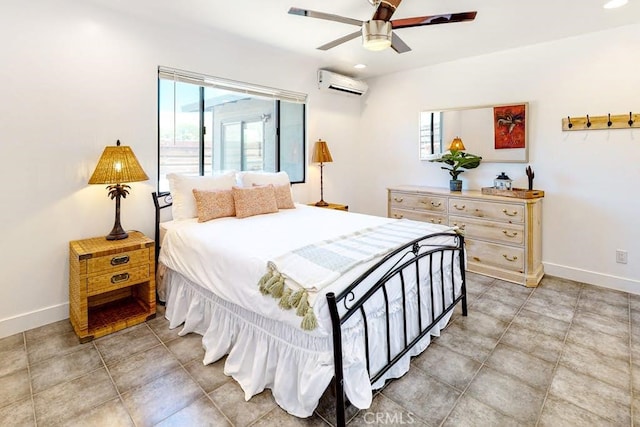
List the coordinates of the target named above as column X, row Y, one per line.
column 498, row 133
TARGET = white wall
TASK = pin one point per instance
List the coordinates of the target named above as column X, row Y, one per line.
column 590, row 179
column 75, row 78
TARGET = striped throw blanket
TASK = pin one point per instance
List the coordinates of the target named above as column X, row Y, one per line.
column 294, row 276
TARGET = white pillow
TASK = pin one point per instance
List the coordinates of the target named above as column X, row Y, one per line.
column 249, row 179
column 181, row 187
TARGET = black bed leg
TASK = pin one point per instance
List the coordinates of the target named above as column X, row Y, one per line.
column 337, row 359
column 463, row 288
column 464, row 304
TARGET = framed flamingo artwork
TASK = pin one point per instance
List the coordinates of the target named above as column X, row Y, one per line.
column 509, row 124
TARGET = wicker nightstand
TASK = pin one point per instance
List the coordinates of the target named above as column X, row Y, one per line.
column 111, row 284
column 335, row 206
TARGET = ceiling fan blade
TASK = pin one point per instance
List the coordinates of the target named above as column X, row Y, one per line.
column 398, row 44
column 385, row 10
column 340, row 40
column 419, row 21
column 326, row 16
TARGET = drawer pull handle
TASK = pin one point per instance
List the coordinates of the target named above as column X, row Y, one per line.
column 512, row 259
column 506, row 233
column 119, row 278
column 460, row 208
column 398, row 199
column 119, row 260
column 475, row 258
column 436, row 221
column 513, row 213
column 461, row 226
column 436, row 204
column 399, row 216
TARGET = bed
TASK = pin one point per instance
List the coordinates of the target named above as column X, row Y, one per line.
column 358, row 328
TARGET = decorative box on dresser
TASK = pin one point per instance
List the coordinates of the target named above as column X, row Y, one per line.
column 111, row 284
column 503, row 235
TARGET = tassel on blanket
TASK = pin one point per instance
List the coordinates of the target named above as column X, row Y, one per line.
column 303, row 305
column 272, row 283
column 266, row 287
column 285, row 298
column 309, row 322
column 295, row 298
column 263, row 282
column 277, row 288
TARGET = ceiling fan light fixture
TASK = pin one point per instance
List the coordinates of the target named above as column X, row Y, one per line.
column 376, row 35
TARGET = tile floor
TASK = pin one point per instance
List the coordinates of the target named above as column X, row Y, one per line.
column 564, row 353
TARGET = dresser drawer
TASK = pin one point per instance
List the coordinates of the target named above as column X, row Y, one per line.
column 415, row 201
column 418, row 216
column 492, row 254
column 513, row 213
column 117, row 261
column 489, row 230
column 118, row 279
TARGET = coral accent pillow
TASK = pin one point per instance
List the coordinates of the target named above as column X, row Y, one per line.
column 214, row 204
column 254, row 200
column 283, row 196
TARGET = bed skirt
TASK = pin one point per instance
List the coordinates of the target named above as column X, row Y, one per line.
column 263, row 353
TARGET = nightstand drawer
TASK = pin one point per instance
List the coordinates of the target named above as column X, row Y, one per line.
column 414, row 201
column 499, row 211
column 117, row 261
column 500, row 232
column 117, row 279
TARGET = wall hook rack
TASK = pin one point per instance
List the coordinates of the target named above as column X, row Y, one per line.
column 620, row 121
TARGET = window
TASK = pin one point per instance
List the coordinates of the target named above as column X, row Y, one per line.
column 208, row 125
column 430, row 134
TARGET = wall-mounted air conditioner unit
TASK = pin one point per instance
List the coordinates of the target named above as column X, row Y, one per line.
column 331, row 81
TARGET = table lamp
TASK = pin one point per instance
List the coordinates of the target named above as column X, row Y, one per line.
column 456, row 145
column 117, row 165
column 321, row 154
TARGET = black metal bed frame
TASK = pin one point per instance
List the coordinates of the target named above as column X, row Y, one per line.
column 394, row 267
column 345, row 305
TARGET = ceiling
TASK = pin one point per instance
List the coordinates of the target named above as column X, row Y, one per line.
column 499, row 25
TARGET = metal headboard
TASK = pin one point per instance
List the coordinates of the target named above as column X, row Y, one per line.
column 161, row 200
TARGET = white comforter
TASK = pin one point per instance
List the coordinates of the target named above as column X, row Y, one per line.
column 228, row 256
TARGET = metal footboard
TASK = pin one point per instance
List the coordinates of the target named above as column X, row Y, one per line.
column 426, row 262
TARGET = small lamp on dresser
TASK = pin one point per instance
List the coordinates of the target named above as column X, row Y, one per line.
column 457, row 145
column 321, row 154
column 116, row 166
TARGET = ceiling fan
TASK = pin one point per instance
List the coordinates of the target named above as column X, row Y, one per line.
column 377, row 33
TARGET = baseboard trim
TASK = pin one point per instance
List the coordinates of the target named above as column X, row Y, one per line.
column 33, row 319
column 593, row 278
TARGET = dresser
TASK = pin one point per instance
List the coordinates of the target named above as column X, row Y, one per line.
column 111, row 284
column 503, row 235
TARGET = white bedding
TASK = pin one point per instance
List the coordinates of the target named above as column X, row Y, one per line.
column 227, row 257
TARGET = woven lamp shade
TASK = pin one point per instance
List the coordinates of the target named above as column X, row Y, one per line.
column 117, row 165
column 457, row 144
column 321, row 153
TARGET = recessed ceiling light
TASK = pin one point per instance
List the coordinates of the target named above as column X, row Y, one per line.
column 612, row 4
column 359, row 66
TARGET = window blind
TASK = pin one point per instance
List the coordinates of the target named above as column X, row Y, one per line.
column 231, row 85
